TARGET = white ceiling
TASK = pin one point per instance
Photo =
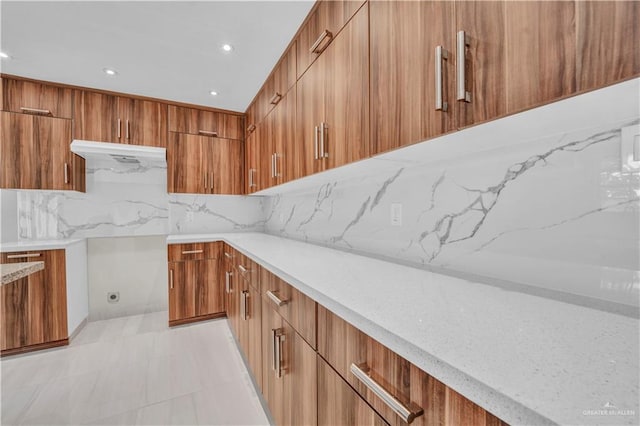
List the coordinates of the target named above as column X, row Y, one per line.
column 169, row 50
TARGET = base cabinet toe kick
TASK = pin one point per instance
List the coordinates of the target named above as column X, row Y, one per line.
column 311, row 366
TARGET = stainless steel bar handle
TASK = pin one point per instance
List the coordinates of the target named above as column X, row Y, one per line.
column 315, row 140
column 323, row 139
column 275, row 299
column 37, row 111
column 171, row 278
column 463, row 41
column 66, row 172
column 275, row 164
column 227, row 255
column 277, row 337
column 212, row 182
column 128, row 130
column 315, row 47
column 251, row 128
column 441, row 54
column 192, row 251
column 242, row 269
column 243, row 305
column 227, row 277
column 250, row 178
column 274, row 332
column 408, row 414
column 119, row 132
column 208, row 133
column 20, row 256
column 275, row 99
column 253, row 178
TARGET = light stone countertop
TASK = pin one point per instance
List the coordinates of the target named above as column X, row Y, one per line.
column 37, row 245
column 14, row 271
column 526, row 359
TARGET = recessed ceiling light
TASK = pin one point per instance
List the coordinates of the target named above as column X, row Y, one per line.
column 109, row 71
column 213, row 93
column 4, row 55
column 227, row 47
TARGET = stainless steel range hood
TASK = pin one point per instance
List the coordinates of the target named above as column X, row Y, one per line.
column 117, row 155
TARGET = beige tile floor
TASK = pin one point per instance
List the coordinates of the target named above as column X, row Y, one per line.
column 133, row 371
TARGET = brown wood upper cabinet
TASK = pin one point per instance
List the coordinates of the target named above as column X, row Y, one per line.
column 34, row 308
column 279, row 82
column 205, row 123
column 36, row 98
column 322, row 26
column 252, row 161
column 195, row 289
column 204, row 165
column 333, row 101
column 106, row 118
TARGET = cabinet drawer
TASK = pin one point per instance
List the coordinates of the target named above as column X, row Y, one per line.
column 229, row 255
column 248, row 270
column 296, row 308
column 385, row 379
column 205, row 123
column 22, row 256
column 36, row 98
column 340, row 405
column 193, row 251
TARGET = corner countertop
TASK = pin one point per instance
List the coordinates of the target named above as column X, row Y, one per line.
column 14, row 271
column 37, row 245
column 526, row 359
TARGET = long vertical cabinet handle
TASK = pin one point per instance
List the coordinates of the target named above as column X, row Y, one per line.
column 324, row 152
column 243, row 305
column 463, row 41
column 227, row 279
column 250, row 178
column 315, row 142
column 128, row 130
column 212, row 181
column 275, row 165
column 204, row 181
column 277, row 337
column 119, row 130
column 66, row 172
column 171, row 279
column 441, row 55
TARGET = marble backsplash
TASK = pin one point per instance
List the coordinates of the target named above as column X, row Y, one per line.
column 559, row 212
column 131, row 202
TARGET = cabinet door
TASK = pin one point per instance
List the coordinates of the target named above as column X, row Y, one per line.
column 14, row 316
column 485, row 65
column 96, row 117
column 273, row 388
column 252, row 156
column 404, row 36
column 345, row 69
column 182, row 290
column 541, row 52
column 309, row 115
column 227, row 166
column 300, row 375
column 187, row 168
column 338, row 404
column 608, row 36
column 206, row 123
column 209, row 291
column 37, row 98
column 144, row 122
column 35, row 152
column 284, row 134
column 267, row 150
column 254, row 333
column 231, row 298
column 281, row 80
column 321, row 28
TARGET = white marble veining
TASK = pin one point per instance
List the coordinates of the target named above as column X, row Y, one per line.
column 14, row 271
column 133, row 370
column 542, row 198
column 527, row 359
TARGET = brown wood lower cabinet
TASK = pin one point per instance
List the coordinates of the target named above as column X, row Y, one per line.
column 339, row 404
column 195, row 290
column 33, row 311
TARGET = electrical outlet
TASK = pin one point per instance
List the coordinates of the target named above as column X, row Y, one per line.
column 396, row 214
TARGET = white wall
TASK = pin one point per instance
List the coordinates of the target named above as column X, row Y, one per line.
column 8, row 216
column 136, row 267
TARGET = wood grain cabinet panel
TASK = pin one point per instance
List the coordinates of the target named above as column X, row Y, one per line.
column 36, row 153
column 144, row 122
column 310, row 102
column 206, row 123
column 282, row 78
column 32, row 97
column 341, row 345
column 182, row 302
column 187, row 167
column 34, row 309
column 608, row 37
column 226, row 166
column 252, row 161
column 485, row 67
column 541, row 52
column 276, row 163
column 339, row 404
column 403, row 39
column 321, row 28
column 96, row 117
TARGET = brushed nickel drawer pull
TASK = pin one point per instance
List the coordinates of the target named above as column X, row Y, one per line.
column 324, row 152
column 316, row 45
column 171, row 278
column 243, row 305
column 227, row 255
column 66, row 172
column 277, row 336
column 192, row 251
column 208, row 133
column 227, row 276
column 211, row 187
column 35, row 111
column 119, row 128
column 128, row 130
column 441, row 54
column 463, row 41
column 275, row 165
column 275, row 99
column 315, row 141
column 275, row 299
column 408, row 414
column 242, row 269
column 20, row 256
